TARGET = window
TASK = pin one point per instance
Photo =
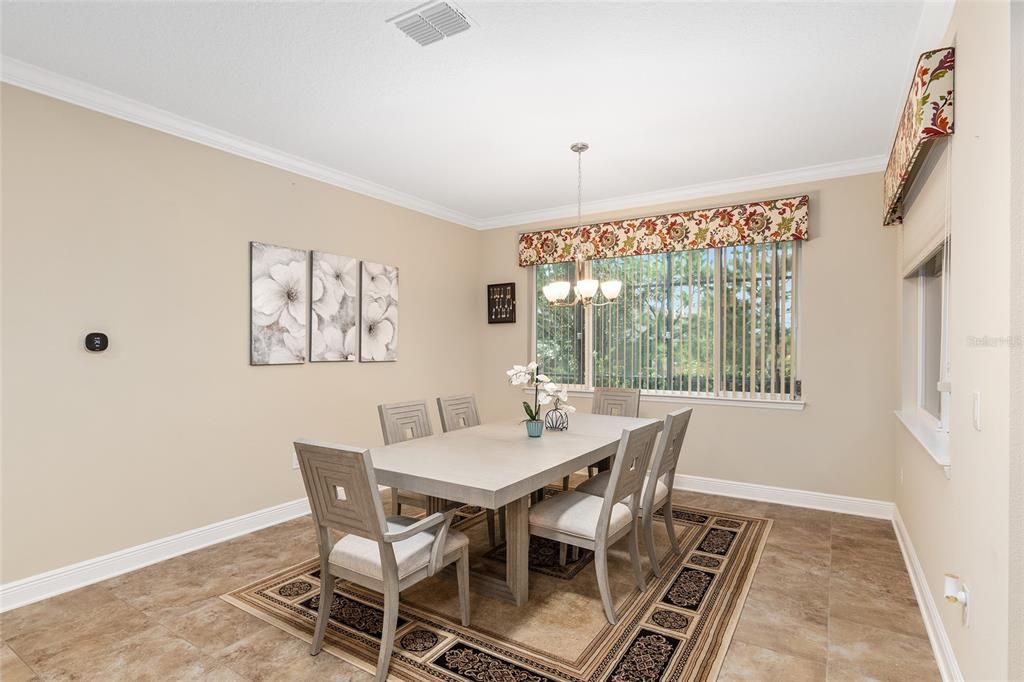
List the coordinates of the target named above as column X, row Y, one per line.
column 710, row 322
column 559, row 331
column 931, row 282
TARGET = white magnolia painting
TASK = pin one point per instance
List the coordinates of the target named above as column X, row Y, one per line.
column 379, row 339
column 334, row 329
column 279, row 300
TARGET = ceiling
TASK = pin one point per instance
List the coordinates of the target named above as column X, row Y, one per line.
column 672, row 97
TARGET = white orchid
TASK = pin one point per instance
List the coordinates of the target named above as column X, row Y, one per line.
column 562, row 400
column 545, row 391
column 518, row 375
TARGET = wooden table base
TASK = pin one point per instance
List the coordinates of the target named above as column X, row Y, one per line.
column 516, row 585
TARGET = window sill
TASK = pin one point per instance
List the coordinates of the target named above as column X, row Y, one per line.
column 792, row 405
column 935, row 443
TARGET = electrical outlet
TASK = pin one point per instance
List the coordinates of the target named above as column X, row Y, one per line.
column 976, row 412
column 295, row 461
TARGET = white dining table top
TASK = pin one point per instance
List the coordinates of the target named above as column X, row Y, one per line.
column 492, row 464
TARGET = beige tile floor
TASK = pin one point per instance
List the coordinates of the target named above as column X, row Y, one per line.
column 831, row 600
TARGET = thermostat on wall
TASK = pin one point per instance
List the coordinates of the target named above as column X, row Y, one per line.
column 96, row 341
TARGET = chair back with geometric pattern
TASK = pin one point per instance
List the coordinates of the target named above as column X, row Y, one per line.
column 458, row 412
column 666, row 458
column 631, row 463
column 404, row 421
column 617, row 402
column 342, row 488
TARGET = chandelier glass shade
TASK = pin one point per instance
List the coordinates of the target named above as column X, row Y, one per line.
column 586, row 288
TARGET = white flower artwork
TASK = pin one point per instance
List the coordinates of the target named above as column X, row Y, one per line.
column 334, row 329
column 379, row 338
column 279, row 299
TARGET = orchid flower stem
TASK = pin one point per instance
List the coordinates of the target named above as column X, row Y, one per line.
column 536, row 397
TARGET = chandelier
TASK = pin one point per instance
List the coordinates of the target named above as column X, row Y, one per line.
column 557, row 293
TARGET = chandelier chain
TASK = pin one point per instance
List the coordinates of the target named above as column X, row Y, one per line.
column 579, row 188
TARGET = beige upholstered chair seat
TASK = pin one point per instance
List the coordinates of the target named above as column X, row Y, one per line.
column 363, row 556
column 599, row 484
column 574, row 513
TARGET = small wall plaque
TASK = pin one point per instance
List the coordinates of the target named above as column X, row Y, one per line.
column 501, row 303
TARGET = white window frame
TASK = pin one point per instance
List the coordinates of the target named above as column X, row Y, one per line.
column 931, row 432
column 587, row 389
column 940, row 423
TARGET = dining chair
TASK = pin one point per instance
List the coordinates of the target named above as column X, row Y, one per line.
column 386, row 554
column 617, row 402
column 459, row 412
column 596, row 523
column 657, row 490
column 400, row 422
column 613, row 402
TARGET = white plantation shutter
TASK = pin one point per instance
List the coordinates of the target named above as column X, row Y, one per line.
column 708, row 322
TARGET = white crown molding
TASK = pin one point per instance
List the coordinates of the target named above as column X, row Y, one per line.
column 44, row 585
column 857, row 506
column 750, row 183
column 942, row 648
column 82, row 94
column 60, row 87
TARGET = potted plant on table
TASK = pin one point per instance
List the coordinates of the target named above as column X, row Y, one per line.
column 544, row 391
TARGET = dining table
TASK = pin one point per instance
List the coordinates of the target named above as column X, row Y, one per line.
column 497, row 465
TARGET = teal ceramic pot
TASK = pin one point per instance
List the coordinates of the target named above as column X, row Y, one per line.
column 534, row 427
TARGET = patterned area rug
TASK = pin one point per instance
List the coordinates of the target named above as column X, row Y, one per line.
column 679, row 628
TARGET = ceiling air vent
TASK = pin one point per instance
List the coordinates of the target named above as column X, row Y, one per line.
column 431, row 22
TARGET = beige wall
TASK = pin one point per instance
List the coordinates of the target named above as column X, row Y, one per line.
column 114, row 227
column 843, row 441
column 960, row 525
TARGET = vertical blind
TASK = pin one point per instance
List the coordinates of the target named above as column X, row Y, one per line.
column 710, row 322
column 559, row 331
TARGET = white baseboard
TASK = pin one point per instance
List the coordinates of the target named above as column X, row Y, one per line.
column 842, row 504
column 37, row 587
column 941, row 646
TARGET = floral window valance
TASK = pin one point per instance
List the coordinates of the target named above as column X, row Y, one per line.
column 779, row 220
column 927, row 116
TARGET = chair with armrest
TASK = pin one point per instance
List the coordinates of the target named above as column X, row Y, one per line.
column 386, row 554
